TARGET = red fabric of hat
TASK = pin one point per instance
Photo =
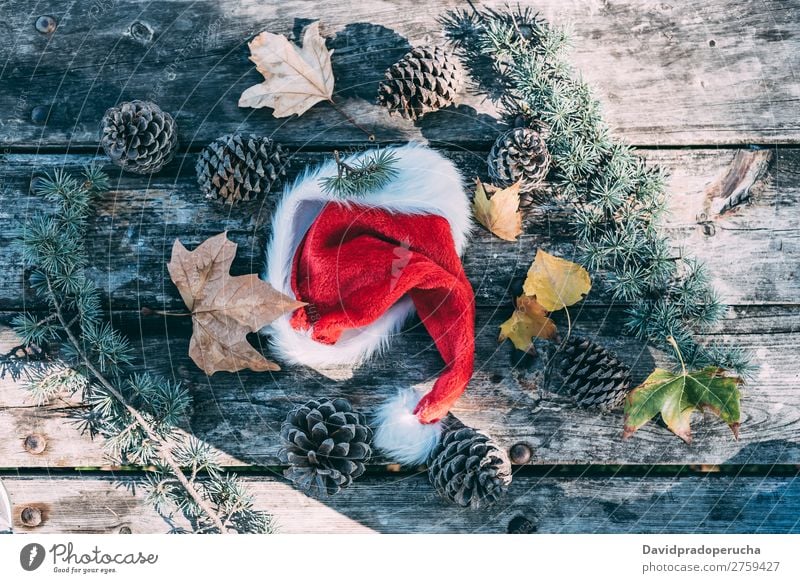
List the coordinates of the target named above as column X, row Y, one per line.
column 355, row 262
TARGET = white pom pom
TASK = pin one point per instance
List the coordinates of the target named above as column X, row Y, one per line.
column 401, row 435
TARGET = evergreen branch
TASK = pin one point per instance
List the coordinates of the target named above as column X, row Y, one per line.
column 361, row 176
column 618, row 199
column 165, row 452
column 136, row 413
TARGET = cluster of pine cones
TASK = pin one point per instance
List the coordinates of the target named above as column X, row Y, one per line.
column 326, row 444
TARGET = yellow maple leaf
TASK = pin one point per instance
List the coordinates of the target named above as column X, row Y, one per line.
column 295, row 78
column 528, row 321
column 499, row 214
column 556, row 283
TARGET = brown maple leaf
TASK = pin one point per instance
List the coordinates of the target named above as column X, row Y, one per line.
column 224, row 308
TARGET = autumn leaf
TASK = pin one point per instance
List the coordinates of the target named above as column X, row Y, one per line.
column 556, row 283
column 677, row 396
column 224, row 308
column 295, row 78
column 528, row 321
column 499, row 214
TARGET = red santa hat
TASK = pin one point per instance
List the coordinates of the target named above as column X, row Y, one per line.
column 364, row 265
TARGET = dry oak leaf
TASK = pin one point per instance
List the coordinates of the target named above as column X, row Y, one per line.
column 224, row 308
column 556, row 283
column 499, row 214
column 528, row 321
column 295, row 78
column 677, row 396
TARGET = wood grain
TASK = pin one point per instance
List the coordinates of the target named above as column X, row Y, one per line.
column 693, row 72
column 407, row 504
column 136, row 223
column 240, row 414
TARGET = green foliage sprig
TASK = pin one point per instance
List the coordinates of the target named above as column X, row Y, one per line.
column 618, row 199
column 138, row 414
column 356, row 178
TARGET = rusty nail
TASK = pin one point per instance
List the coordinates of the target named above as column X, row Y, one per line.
column 46, row 24
column 31, row 516
column 35, row 443
column 520, row 453
column 125, row 530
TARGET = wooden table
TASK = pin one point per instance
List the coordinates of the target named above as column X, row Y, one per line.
column 694, row 85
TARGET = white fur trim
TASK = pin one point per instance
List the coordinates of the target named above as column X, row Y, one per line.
column 426, row 183
column 400, row 434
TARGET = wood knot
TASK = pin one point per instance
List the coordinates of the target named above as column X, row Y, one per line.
column 520, row 453
column 46, row 24
column 125, row 530
column 521, row 525
column 31, row 516
column 35, row 443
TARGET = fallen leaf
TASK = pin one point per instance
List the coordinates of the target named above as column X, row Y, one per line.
column 677, row 396
column 556, row 283
column 528, row 321
column 224, row 308
column 295, row 78
column 499, row 214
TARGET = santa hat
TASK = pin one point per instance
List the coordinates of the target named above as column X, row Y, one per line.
column 364, row 265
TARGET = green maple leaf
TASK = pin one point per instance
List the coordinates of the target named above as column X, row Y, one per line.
column 677, row 396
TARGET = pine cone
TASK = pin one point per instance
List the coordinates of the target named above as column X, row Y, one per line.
column 519, row 154
column 468, row 469
column 236, row 167
column 326, row 444
column 594, row 376
column 424, row 80
column 139, row 137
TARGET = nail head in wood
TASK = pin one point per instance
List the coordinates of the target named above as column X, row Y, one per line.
column 141, row 32
column 31, row 516
column 39, row 114
column 35, row 443
column 46, row 24
column 520, row 453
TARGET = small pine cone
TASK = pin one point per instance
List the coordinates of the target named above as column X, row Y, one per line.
column 467, row 469
column 519, row 154
column 425, row 79
column 139, row 137
column 326, row 444
column 594, row 376
column 236, row 167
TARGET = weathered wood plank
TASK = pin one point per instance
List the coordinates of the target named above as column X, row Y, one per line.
column 693, row 72
column 752, row 251
column 407, row 504
column 240, row 414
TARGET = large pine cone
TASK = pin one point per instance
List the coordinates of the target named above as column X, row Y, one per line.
column 139, row 137
column 594, row 376
column 519, row 154
column 468, row 469
column 424, row 80
column 236, row 167
column 326, row 446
